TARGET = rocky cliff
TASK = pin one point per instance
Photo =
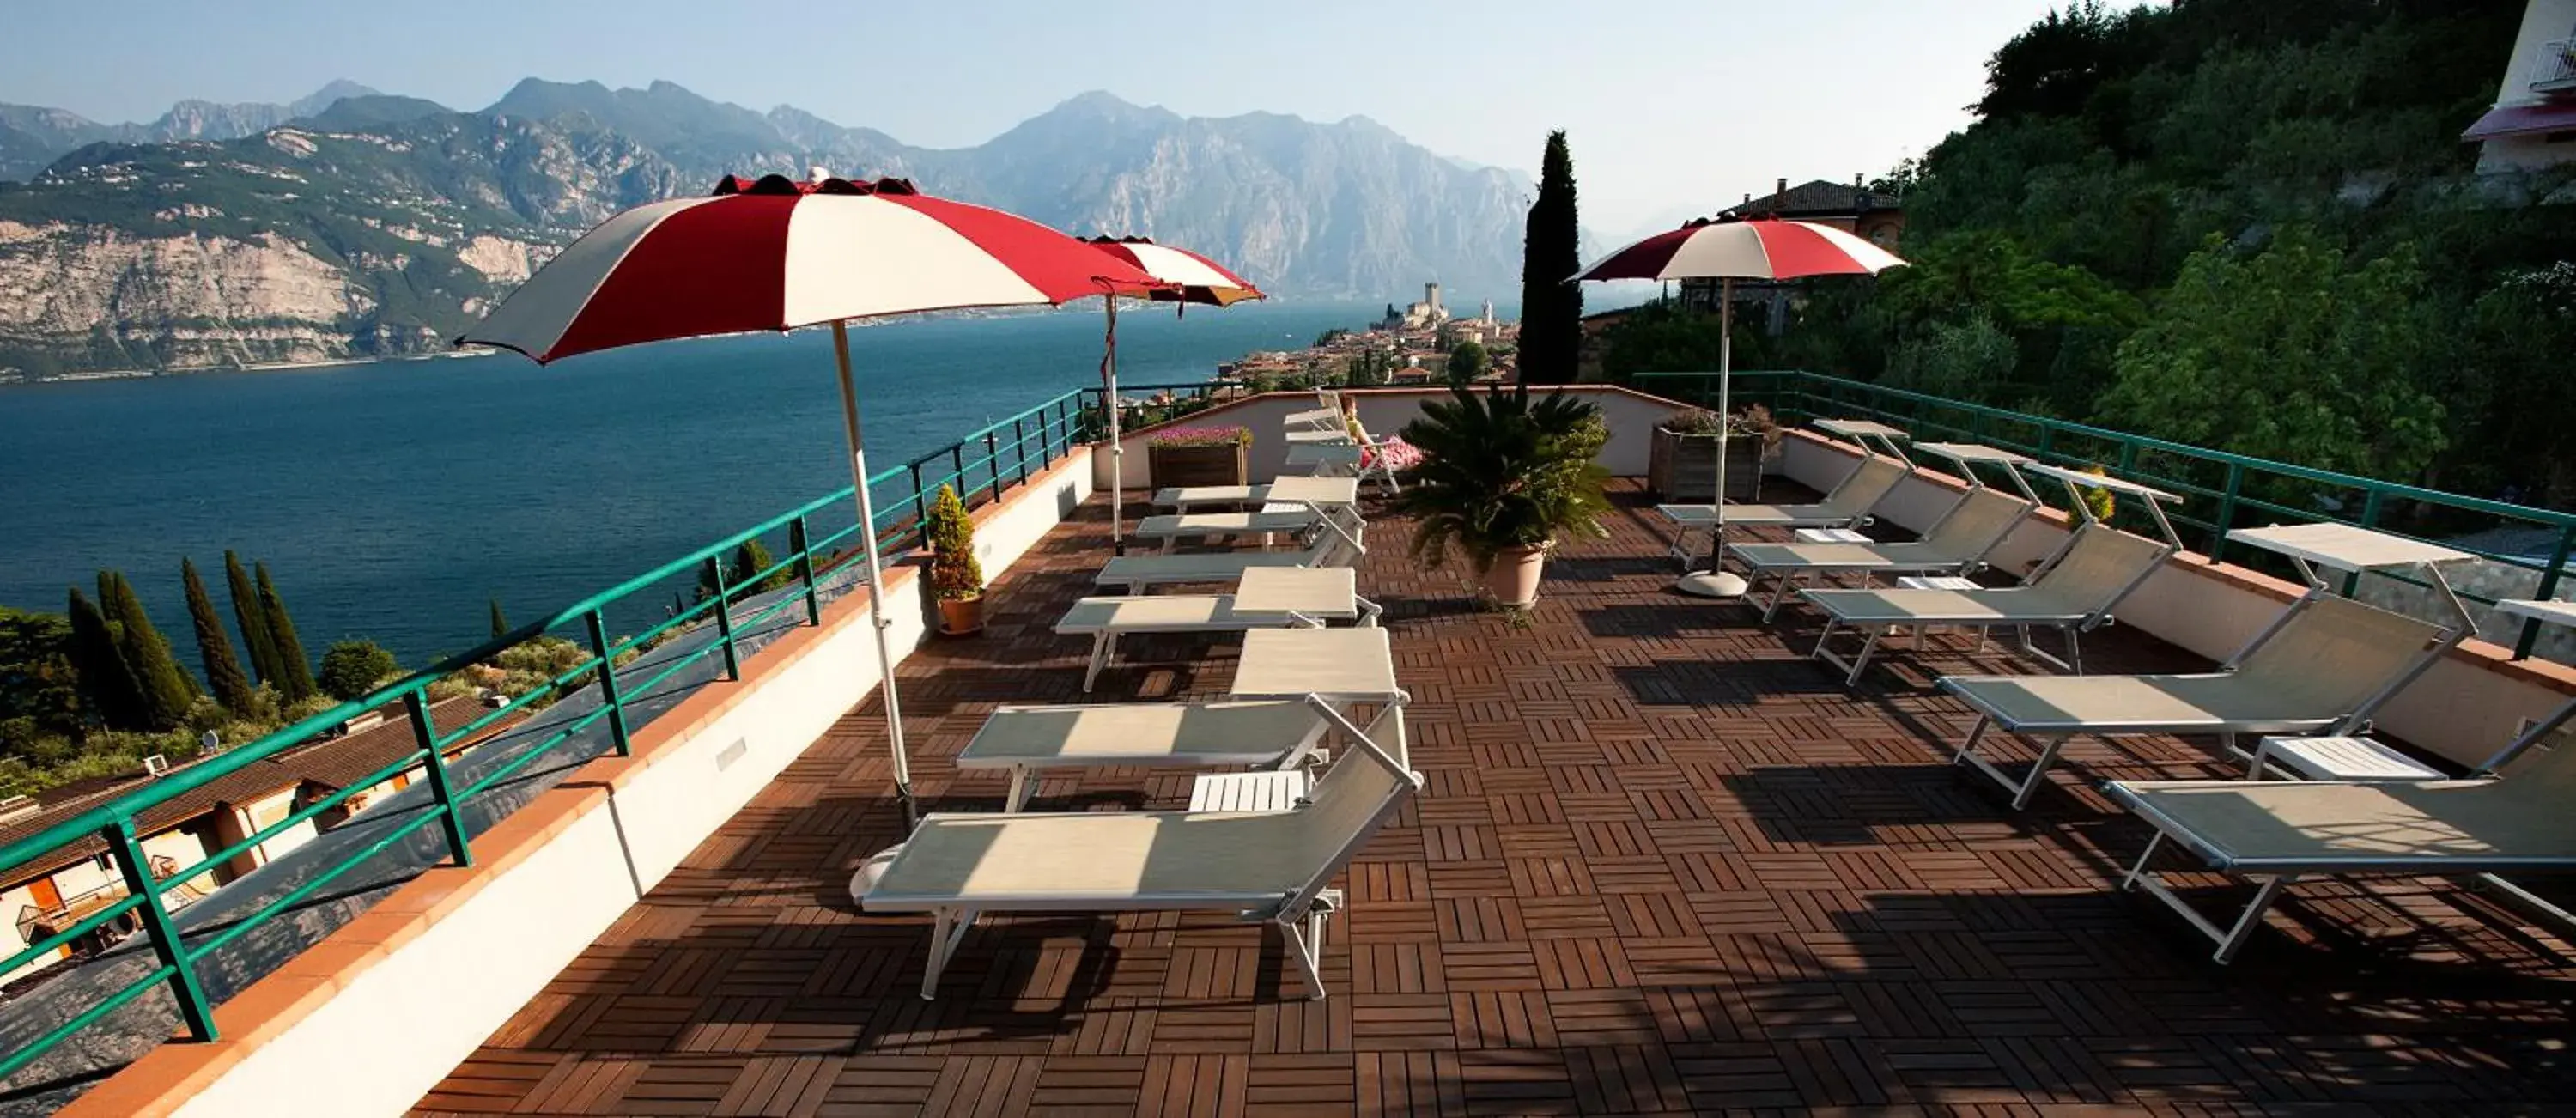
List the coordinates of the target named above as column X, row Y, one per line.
column 377, row 225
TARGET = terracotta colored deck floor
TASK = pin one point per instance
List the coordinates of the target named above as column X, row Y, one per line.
column 1664, row 863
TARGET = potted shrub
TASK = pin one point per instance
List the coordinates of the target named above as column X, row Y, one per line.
column 1681, row 462
column 1198, row 455
column 1501, row 478
column 956, row 578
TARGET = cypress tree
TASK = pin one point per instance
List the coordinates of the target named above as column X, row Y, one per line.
column 253, row 622
column 1551, row 302
column 500, row 624
column 167, row 692
column 214, row 649
column 105, row 682
column 294, row 680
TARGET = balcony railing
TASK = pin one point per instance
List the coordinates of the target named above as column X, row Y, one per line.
column 2221, row 490
column 2555, row 70
column 983, row 466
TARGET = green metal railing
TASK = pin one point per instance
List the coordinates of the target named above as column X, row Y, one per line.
column 983, row 466
column 2221, row 490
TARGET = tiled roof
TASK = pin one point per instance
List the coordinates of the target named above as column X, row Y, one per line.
column 335, row 762
column 1814, row 198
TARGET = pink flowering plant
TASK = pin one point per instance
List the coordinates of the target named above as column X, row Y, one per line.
column 1201, row 436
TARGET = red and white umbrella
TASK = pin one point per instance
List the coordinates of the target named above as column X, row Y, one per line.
column 777, row 254
column 1187, row 277
column 1760, row 248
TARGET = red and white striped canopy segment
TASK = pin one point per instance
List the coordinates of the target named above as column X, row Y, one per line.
column 776, row 254
column 1192, row 278
column 1762, row 248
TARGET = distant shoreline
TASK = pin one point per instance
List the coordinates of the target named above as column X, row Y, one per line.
column 260, row 367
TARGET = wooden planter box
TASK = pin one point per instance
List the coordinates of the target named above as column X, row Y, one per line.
column 1683, row 468
column 1197, row 465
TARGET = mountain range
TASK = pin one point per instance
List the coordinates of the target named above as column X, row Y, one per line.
column 356, row 223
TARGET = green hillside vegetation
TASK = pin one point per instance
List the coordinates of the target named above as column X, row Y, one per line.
column 2240, row 223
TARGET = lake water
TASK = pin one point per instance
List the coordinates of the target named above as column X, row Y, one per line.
column 391, row 500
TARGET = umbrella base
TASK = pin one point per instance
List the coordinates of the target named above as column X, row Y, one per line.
column 1711, row 584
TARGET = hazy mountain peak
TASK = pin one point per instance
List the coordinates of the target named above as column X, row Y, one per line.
column 331, row 93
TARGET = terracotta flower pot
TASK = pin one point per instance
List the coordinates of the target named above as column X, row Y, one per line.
column 961, row 616
column 1513, row 579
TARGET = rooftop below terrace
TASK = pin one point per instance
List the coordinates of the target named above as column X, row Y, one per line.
column 1663, row 862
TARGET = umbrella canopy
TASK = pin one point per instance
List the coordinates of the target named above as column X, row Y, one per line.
column 1762, row 248
column 1192, row 278
column 1187, row 277
column 776, row 254
column 1727, row 250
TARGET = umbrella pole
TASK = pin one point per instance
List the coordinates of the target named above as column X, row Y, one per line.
column 876, row 570
column 1117, row 452
column 1716, row 582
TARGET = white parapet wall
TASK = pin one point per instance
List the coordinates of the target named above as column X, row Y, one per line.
column 375, row 1015
column 2464, row 708
column 1631, row 415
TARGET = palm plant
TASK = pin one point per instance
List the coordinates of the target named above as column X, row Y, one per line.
column 1501, row 472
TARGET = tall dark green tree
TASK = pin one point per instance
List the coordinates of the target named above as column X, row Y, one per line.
column 106, row 683
column 1551, row 302
column 253, row 620
column 167, row 691
column 752, row 558
column 39, row 690
column 294, row 681
column 214, row 649
column 500, row 623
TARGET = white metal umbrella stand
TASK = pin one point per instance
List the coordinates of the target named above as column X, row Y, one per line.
column 876, row 576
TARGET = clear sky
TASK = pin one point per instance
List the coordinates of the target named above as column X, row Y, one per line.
column 1674, row 107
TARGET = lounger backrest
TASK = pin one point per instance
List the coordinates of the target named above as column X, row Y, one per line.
column 1354, row 798
column 1865, row 488
column 2100, row 567
column 1978, row 524
column 2335, row 655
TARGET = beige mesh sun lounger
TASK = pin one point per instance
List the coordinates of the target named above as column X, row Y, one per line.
column 1104, row 620
column 1847, row 506
column 1028, row 741
column 2275, row 832
column 2321, row 667
column 1188, row 498
column 1960, row 542
column 1265, row 867
column 1271, row 520
column 1332, row 547
column 2073, row 594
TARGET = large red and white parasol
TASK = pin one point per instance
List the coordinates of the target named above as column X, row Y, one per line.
column 776, row 254
column 1187, row 277
column 1729, row 250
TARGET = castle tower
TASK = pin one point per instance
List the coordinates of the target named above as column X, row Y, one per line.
column 1431, row 296
column 1488, row 317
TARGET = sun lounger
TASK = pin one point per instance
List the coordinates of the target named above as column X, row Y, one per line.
column 1339, row 542
column 1028, row 741
column 1265, row 867
column 2073, row 594
column 2321, row 667
column 1272, row 519
column 1192, row 497
column 1302, row 603
column 2275, row 832
column 1846, row 506
column 1958, row 544
column 1318, row 419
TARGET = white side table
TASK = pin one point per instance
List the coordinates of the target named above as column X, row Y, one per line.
column 1830, row 535
column 1255, row 791
column 2338, row 758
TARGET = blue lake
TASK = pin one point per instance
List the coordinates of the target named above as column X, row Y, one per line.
column 392, row 500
